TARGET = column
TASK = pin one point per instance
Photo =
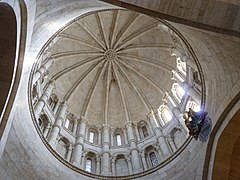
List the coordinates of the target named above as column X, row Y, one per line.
column 83, row 163
column 137, row 133
column 144, row 160
column 177, row 77
column 128, row 158
column 171, row 100
column 75, row 123
column 125, row 136
column 43, row 100
column 113, row 166
column 57, row 124
column 133, row 148
column 99, row 135
column 106, row 154
column 56, row 108
column 46, row 130
column 77, row 153
column 69, row 153
column 112, row 136
column 157, row 146
column 42, row 70
column 160, row 137
column 98, row 165
column 191, row 92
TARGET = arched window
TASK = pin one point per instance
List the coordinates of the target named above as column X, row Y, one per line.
column 145, row 131
column 88, row 167
column 181, row 66
column 193, row 105
column 118, row 137
column 153, row 159
column 43, row 121
column 90, row 162
column 67, row 122
column 165, row 114
column 152, row 156
column 91, row 137
column 178, row 91
column 119, row 140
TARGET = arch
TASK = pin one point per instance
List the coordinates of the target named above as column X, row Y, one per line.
column 152, row 156
column 8, row 39
column 69, row 122
column 178, row 137
column 90, row 164
column 93, row 135
column 118, row 137
column 121, row 165
column 178, row 91
column 165, row 114
column 43, row 121
column 191, row 103
column 227, row 157
column 16, row 60
column 224, row 119
column 143, row 128
column 62, row 146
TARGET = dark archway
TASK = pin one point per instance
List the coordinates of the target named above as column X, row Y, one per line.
column 12, row 41
column 227, row 157
column 8, row 39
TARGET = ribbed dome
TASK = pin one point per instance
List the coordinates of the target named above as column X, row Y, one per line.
column 112, row 66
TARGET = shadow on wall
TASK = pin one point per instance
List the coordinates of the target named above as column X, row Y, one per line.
column 8, row 37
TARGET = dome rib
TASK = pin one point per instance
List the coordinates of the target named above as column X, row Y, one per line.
column 78, row 82
column 136, row 89
column 80, row 41
column 75, row 53
column 162, row 46
column 74, row 66
column 149, row 61
column 137, row 34
column 92, row 90
column 107, row 92
column 113, row 27
column 87, row 29
column 125, row 28
column 122, row 93
column 138, row 72
column 103, row 34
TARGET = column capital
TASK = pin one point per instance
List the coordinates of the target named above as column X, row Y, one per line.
column 99, row 128
column 151, row 114
column 106, row 127
column 128, row 124
column 70, row 146
column 98, row 158
column 142, row 154
column 128, row 158
column 113, row 158
column 84, row 120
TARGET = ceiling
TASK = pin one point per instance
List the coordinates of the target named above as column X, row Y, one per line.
column 112, row 66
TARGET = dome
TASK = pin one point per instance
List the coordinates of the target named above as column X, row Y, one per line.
column 112, row 66
column 112, row 82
